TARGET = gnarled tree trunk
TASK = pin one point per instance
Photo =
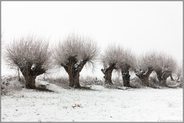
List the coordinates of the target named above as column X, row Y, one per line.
column 74, row 80
column 30, row 82
column 30, row 75
column 165, row 75
column 29, row 79
column 144, row 76
column 126, row 79
column 108, row 74
column 159, row 75
column 125, row 75
column 162, row 77
column 73, row 68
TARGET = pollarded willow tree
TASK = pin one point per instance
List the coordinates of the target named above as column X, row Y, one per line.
column 72, row 54
column 145, row 66
column 165, row 65
column 126, row 64
column 111, row 60
column 31, row 56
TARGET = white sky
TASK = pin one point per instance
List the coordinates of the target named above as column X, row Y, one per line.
column 139, row 26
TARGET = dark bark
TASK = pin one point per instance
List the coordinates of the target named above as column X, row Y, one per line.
column 73, row 69
column 37, row 71
column 144, row 76
column 125, row 75
column 30, row 82
column 159, row 75
column 126, row 79
column 165, row 75
column 71, row 80
column 30, row 75
column 162, row 77
column 108, row 74
column 74, row 80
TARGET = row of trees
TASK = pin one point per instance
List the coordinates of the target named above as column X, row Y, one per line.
column 32, row 56
column 116, row 58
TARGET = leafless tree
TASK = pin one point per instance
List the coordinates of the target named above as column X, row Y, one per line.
column 164, row 66
column 111, row 59
column 30, row 55
column 145, row 66
column 161, row 63
column 73, row 53
column 127, row 62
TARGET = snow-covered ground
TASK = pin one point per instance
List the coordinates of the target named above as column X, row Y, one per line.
column 98, row 104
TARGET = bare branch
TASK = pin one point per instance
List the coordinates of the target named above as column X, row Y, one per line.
column 27, row 51
column 83, row 49
column 112, row 55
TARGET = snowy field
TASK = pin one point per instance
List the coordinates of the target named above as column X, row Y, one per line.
column 97, row 104
column 140, row 27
